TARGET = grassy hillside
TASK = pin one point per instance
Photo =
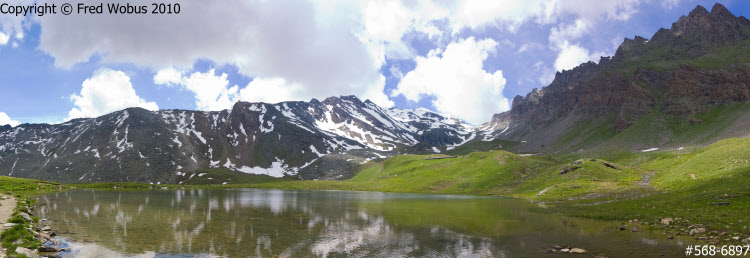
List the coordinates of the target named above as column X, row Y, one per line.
column 709, row 187
column 22, row 185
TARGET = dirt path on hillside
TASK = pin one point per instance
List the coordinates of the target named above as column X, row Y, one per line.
column 6, row 209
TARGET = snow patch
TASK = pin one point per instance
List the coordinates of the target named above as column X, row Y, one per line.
column 277, row 169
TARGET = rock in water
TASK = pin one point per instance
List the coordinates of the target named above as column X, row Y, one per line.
column 46, row 228
column 577, row 251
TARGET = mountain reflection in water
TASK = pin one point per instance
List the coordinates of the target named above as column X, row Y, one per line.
column 287, row 223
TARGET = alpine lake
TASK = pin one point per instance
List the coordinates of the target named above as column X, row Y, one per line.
column 292, row 223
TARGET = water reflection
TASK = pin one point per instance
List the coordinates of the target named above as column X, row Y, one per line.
column 263, row 223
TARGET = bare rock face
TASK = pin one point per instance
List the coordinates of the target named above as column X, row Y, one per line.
column 586, row 90
column 710, row 86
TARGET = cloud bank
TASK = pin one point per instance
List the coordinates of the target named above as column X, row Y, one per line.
column 457, row 82
column 298, row 50
column 5, row 120
column 107, row 91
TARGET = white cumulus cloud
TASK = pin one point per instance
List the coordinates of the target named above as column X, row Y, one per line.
column 168, row 76
column 107, row 91
column 213, row 91
column 456, row 81
column 271, row 90
column 5, row 120
column 3, row 38
column 571, row 56
column 310, row 44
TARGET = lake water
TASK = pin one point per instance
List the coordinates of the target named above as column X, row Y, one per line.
column 288, row 223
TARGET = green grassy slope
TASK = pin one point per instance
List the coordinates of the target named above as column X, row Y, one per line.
column 695, row 185
column 22, row 185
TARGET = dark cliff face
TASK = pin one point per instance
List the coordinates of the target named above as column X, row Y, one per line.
column 645, row 74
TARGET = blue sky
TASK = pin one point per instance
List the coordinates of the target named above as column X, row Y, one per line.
column 467, row 59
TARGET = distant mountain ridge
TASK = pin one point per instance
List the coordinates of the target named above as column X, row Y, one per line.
column 283, row 139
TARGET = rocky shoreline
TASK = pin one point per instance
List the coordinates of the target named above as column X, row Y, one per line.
column 683, row 227
column 23, row 222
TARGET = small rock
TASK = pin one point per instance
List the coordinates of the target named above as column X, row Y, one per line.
column 736, row 238
column 28, row 252
column 52, row 233
column 8, row 225
column 26, row 216
column 670, row 237
column 49, row 249
column 694, row 231
column 577, row 251
column 565, row 250
column 701, row 230
column 635, row 230
column 703, row 238
column 666, row 221
column 46, row 228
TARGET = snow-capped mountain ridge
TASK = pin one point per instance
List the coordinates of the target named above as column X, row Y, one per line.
column 282, row 139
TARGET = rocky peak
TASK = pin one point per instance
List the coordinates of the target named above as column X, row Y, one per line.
column 629, row 44
column 718, row 25
column 722, row 12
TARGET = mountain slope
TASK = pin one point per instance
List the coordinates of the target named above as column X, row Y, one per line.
column 283, row 139
column 653, row 90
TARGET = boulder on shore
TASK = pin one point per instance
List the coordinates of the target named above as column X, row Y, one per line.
column 27, row 252
column 26, row 216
